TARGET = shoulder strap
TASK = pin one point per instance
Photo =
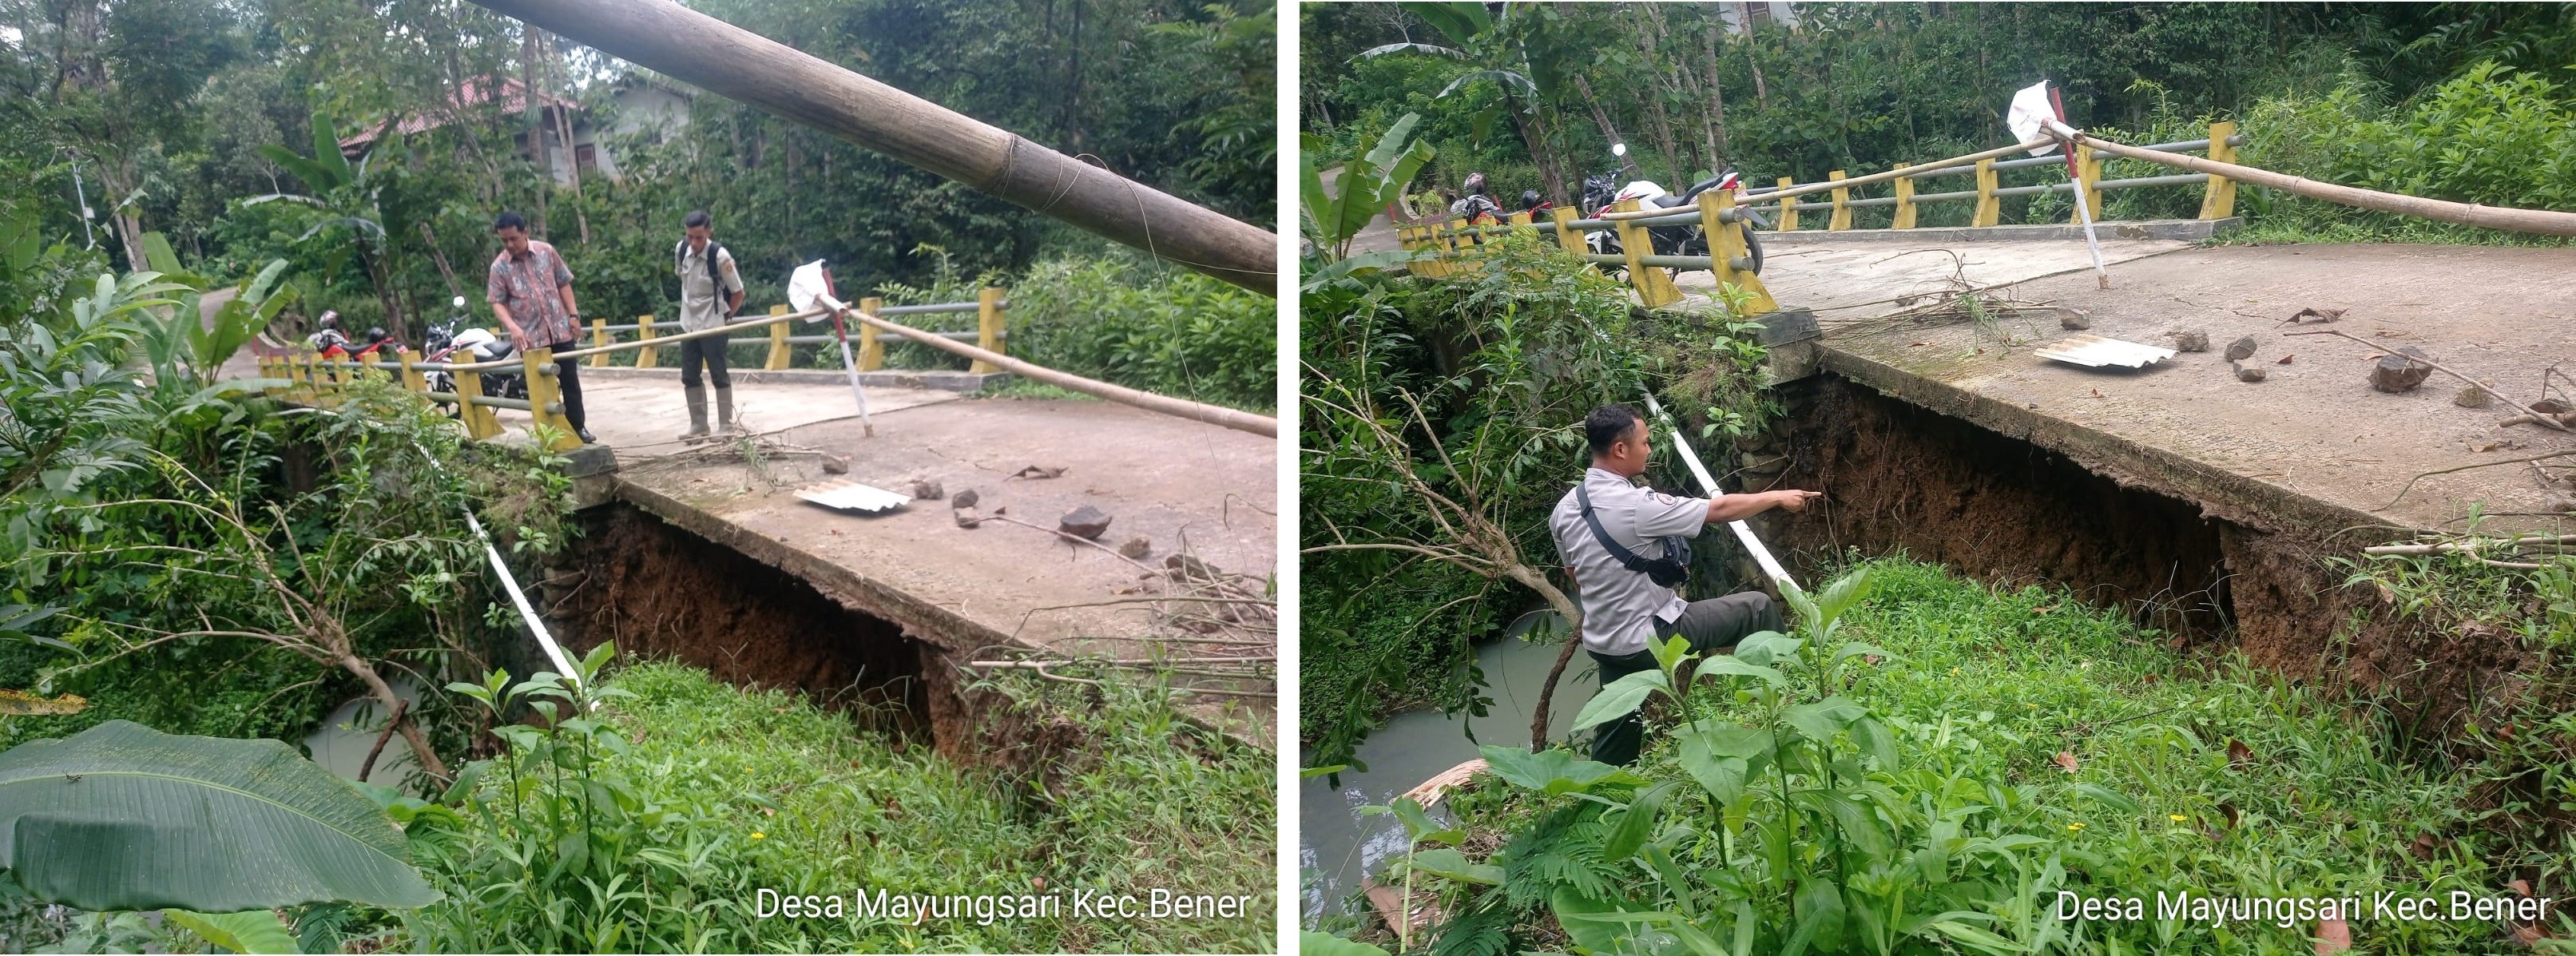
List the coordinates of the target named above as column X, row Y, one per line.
column 1631, row 559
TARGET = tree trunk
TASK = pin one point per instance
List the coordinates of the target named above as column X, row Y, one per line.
column 1565, row 607
column 537, row 152
column 1715, row 128
column 1551, row 174
column 1762, row 90
column 1657, row 118
column 1598, row 116
column 392, row 703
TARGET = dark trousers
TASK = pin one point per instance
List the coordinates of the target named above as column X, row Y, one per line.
column 568, row 383
column 1713, row 626
column 710, row 352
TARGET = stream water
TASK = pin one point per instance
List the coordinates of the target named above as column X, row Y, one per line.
column 1338, row 846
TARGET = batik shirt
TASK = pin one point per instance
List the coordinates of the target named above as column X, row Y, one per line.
column 531, row 285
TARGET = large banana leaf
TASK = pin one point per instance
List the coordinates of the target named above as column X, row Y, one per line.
column 124, row 817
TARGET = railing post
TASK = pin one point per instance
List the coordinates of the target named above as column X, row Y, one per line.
column 412, row 380
column 599, row 339
column 1990, row 207
column 2220, row 201
column 1450, row 252
column 1567, row 237
column 478, row 419
column 778, row 347
column 1904, row 200
column 1728, row 246
column 988, row 327
column 1654, row 288
column 1788, row 207
column 2088, row 177
column 871, row 349
column 544, row 392
column 644, row 357
column 1842, row 204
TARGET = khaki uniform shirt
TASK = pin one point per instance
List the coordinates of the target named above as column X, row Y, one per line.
column 701, row 306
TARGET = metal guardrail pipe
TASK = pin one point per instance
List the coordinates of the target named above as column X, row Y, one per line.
column 744, row 66
column 1685, row 263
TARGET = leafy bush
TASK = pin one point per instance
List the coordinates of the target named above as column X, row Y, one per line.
column 1498, row 366
column 1117, row 318
column 2492, row 135
column 2083, row 756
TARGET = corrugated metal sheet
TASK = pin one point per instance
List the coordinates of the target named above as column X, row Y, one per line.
column 852, row 496
column 2094, row 351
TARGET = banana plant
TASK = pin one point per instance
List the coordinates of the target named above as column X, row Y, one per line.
column 215, row 833
column 188, row 347
column 1370, row 183
column 346, row 195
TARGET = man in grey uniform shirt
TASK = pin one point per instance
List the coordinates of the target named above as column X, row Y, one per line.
column 1623, row 607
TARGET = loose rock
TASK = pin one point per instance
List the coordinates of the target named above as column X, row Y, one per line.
column 967, row 518
column 2240, row 349
column 2076, row 319
column 2249, row 373
column 2398, row 372
column 1183, row 568
column 964, row 499
column 2312, row 312
column 928, row 490
column 2471, row 396
column 2550, row 406
column 2193, row 340
column 836, row 464
column 1137, row 547
column 1084, row 522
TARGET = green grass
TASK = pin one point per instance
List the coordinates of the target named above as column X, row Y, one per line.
column 1990, row 686
column 1017, row 387
column 746, row 790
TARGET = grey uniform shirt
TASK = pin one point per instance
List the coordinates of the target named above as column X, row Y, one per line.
column 700, row 307
column 1619, row 605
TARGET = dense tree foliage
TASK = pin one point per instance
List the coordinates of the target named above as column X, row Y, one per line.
column 153, row 114
column 1861, row 87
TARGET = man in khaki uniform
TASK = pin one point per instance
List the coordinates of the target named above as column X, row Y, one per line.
column 710, row 290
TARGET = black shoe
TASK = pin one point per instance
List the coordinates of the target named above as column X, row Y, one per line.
column 586, row 437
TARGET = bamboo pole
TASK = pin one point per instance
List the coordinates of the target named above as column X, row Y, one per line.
column 755, row 70
column 1211, row 414
column 2542, row 221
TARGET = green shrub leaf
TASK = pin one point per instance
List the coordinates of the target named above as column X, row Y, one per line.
column 124, row 817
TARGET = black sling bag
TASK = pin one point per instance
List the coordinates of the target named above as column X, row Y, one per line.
column 1667, row 571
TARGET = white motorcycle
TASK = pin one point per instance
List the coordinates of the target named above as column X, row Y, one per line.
column 1602, row 192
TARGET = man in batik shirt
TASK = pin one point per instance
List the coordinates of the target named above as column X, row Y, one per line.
column 531, row 290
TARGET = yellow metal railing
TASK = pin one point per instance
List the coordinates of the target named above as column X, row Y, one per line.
column 1453, row 245
column 308, row 378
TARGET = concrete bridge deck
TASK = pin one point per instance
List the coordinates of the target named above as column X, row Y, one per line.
column 2313, row 444
column 1188, row 488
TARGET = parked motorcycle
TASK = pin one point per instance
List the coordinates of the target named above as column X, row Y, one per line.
column 1603, row 191
column 451, row 342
